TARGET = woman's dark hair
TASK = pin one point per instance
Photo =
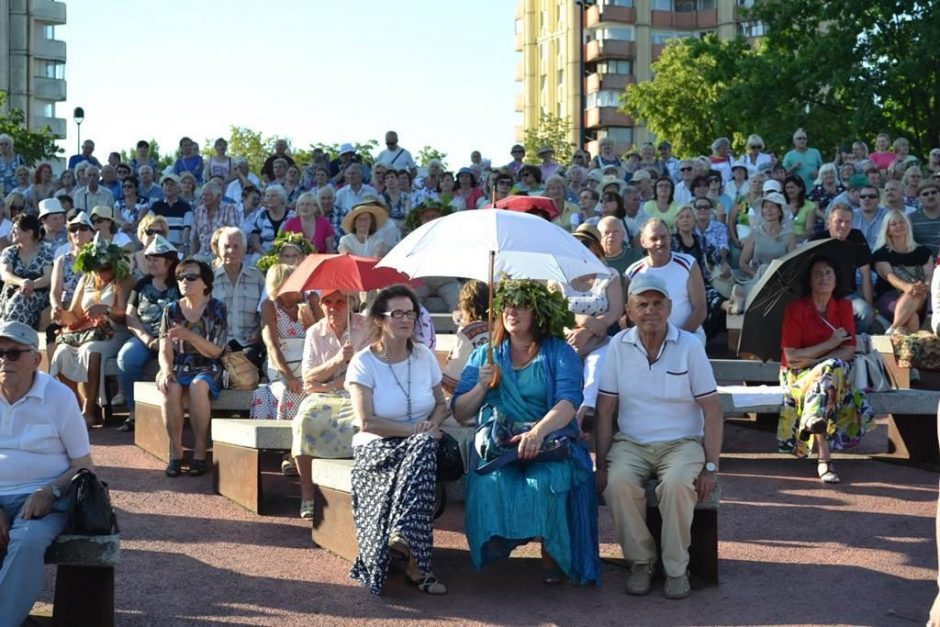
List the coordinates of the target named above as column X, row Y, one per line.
column 173, row 260
column 205, row 272
column 474, row 300
column 531, row 169
column 621, row 211
column 29, row 222
column 380, row 307
column 132, row 179
column 672, row 187
column 801, row 194
column 698, row 181
column 838, row 292
column 715, row 174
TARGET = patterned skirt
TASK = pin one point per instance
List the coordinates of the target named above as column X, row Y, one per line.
column 823, row 391
column 393, row 488
column 323, row 427
column 275, row 402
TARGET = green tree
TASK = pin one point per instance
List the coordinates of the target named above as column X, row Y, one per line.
column 33, row 145
column 427, row 153
column 552, row 131
column 363, row 149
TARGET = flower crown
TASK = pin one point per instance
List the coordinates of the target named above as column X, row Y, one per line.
column 92, row 257
column 549, row 309
column 413, row 219
column 284, row 238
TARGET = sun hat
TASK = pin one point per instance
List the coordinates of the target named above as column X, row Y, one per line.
column 774, row 197
column 20, row 333
column 613, row 180
column 641, row 175
column 545, row 150
column 772, row 186
column 49, row 206
column 106, row 213
column 80, row 217
column 587, row 232
column 370, row 206
column 929, row 183
column 160, row 246
column 347, row 149
column 647, row 282
column 169, row 177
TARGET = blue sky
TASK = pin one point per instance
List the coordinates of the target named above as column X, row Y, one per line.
column 440, row 72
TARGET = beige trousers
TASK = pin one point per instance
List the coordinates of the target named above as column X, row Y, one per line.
column 630, row 465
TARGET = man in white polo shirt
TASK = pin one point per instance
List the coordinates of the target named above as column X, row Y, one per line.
column 658, row 383
column 43, row 442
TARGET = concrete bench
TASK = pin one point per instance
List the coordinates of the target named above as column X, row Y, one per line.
column 238, row 448
column 150, row 432
column 443, row 322
column 84, row 585
column 741, row 370
column 333, row 526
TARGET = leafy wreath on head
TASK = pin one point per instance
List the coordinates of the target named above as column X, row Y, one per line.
column 413, row 219
column 284, row 238
column 92, row 257
column 549, row 309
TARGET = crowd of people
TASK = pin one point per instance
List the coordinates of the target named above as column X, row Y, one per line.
column 184, row 268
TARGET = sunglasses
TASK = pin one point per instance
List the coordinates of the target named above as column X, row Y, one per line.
column 127, row 185
column 799, row 138
column 686, row 169
column 13, row 354
column 868, row 196
column 99, row 220
column 155, row 232
column 399, row 314
column 78, row 228
column 191, row 278
column 929, row 192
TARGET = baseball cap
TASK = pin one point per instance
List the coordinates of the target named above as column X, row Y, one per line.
column 170, row 177
column 20, row 333
column 646, row 282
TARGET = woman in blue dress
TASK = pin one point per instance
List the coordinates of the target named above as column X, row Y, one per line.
column 539, row 385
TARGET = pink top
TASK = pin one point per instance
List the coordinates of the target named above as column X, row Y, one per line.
column 882, row 159
column 323, row 230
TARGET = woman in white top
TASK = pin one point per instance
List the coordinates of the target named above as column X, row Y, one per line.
column 399, row 405
column 362, row 225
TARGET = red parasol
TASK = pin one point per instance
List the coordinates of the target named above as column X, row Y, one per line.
column 345, row 273
column 529, row 204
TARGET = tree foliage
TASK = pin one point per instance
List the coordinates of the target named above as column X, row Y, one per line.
column 427, row 153
column 163, row 161
column 33, row 145
column 841, row 71
column 552, row 131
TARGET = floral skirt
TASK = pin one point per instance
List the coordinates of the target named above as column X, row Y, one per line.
column 275, row 402
column 823, row 391
column 323, row 427
column 393, row 489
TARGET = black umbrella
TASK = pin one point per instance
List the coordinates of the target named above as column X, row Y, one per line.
column 781, row 283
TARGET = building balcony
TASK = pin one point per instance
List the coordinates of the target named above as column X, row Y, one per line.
column 50, row 49
column 608, row 49
column 520, row 42
column 598, row 117
column 607, row 13
column 519, row 103
column 48, row 11
column 57, row 125
column 596, row 82
column 519, row 74
column 49, row 88
column 519, row 9
column 684, row 20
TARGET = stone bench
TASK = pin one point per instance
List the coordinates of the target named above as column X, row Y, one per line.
column 84, row 585
column 239, row 447
column 150, row 432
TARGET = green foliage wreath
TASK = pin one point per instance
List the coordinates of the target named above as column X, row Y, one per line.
column 549, row 309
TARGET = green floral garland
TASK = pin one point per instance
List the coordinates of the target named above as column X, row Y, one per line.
column 91, row 257
column 284, row 238
column 549, row 309
column 413, row 219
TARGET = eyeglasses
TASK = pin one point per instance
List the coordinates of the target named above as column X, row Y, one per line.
column 13, row 354
column 399, row 314
column 155, row 232
column 799, row 138
column 868, row 196
column 127, row 185
column 503, row 182
column 78, row 228
column 757, row 146
column 97, row 220
column 192, row 277
column 704, row 207
column 686, row 169
column 929, row 192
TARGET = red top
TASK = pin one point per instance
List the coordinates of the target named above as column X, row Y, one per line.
column 803, row 326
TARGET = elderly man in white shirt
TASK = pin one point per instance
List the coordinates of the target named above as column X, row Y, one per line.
column 659, row 385
column 43, row 442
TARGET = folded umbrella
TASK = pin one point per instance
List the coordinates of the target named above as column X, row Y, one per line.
column 782, row 282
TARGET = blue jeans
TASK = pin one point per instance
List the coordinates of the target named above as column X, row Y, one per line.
column 131, row 360
column 21, row 575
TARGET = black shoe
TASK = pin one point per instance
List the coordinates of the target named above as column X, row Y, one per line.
column 174, row 468
column 197, row 468
column 127, row 426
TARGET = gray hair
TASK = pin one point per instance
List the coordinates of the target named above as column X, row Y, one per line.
column 144, row 167
column 308, row 196
column 613, row 220
column 909, row 171
column 9, row 139
column 213, row 187
column 277, row 189
column 225, row 231
column 325, row 189
column 719, row 142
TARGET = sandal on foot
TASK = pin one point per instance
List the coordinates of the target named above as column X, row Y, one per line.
column 127, row 426
column 818, row 426
column 552, row 576
column 307, row 509
column 428, row 584
column 826, row 473
column 399, row 548
column 197, row 468
column 174, row 468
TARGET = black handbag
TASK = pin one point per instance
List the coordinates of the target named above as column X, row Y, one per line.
column 90, row 512
column 449, row 459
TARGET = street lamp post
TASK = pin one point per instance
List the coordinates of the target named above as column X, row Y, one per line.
column 78, row 114
column 582, row 6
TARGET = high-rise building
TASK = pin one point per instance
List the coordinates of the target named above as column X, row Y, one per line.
column 595, row 48
column 32, row 60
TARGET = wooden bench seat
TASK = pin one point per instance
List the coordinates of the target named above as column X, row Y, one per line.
column 150, row 432
column 239, row 447
column 84, row 585
column 703, row 554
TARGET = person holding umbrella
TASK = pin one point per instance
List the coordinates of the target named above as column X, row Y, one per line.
column 536, row 396
column 817, row 346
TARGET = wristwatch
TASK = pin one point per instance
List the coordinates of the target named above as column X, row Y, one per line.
column 711, row 467
column 56, row 492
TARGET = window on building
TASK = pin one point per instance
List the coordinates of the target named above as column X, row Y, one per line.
column 604, row 98
column 616, row 3
column 621, row 33
column 624, row 68
column 50, row 69
column 747, row 4
column 663, row 36
column 48, row 31
column 684, row 6
column 662, row 5
column 47, row 110
column 622, row 135
column 753, row 28
column 706, row 5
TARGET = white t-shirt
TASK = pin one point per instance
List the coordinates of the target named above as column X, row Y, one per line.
column 388, row 394
column 6, row 227
column 39, row 435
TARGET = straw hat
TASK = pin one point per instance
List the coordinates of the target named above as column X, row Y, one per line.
column 378, row 212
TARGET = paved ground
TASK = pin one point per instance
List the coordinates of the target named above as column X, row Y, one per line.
column 792, row 552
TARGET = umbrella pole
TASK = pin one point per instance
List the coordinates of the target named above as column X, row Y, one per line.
column 348, row 319
column 489, row 314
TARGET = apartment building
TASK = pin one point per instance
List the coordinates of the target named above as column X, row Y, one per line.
column 595, row 48
column 32, row 60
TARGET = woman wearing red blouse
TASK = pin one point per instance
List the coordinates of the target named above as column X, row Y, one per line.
column 817, row 346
